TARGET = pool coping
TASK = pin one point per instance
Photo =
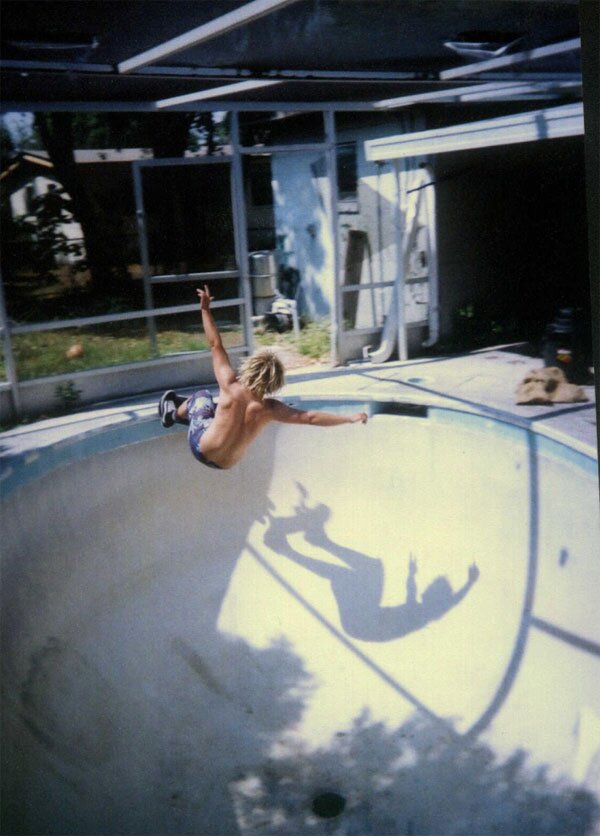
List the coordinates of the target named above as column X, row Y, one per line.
column 29, row 450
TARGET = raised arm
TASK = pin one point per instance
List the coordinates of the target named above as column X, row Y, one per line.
column 471, row 579
column 222, row 367
column 288, row 415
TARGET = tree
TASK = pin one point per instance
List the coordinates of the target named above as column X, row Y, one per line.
column 7, row 147
column 206, row 132
column 42, row 228
column 56, row 131
column 166, row 133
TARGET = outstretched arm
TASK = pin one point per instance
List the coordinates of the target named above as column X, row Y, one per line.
column 471, row 579
column 221, row 365
column 288, row 415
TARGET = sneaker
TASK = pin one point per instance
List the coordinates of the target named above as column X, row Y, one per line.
column 166, row 408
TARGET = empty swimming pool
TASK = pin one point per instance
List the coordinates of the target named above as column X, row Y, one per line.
column 400, row 616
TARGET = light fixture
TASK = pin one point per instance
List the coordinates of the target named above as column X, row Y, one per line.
column 483, row 45
column 77, row 43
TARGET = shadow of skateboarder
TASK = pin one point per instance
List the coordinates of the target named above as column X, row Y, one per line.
column 357, row 585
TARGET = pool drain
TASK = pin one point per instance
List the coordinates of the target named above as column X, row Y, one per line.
column 328, row 805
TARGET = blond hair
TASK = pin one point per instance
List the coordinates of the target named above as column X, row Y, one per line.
column 262, row 373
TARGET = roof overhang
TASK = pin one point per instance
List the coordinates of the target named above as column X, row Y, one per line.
column 550, row 123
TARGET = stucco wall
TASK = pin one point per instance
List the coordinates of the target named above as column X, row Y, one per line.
column 301, row 196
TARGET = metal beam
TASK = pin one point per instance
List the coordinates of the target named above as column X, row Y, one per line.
column 491, row 90
column 204, row 107
column 215, row 92
column 209, row 106
column 300, row 147
column 9, row 359
column 192, row 72
column 356, row 288
column 549, row 96
column 522, row 90
column 108, row 319
column 332, row 223
column 177, row 278
column 59, row 66
column 214, row 28
column 296, row 74
column 550, row 123
column 238, row 206
column 200, row 107
column 510, row 60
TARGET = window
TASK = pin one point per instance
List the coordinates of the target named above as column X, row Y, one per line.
column 260, row 191
column 346, row 171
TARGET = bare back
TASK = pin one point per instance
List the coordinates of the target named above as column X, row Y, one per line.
column 239, row 418
column 240, row 414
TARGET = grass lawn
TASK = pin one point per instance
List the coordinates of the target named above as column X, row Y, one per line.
column 313, row 341
column 45, row 353
column 70, row 350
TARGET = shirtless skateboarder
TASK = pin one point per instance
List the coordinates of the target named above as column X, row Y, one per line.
column 219, row 435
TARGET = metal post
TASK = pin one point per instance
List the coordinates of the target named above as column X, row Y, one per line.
column 145, row 259
column 401, row 175
column 240, row 232
column 331, row 167
column 11, row 368
column 432, row 260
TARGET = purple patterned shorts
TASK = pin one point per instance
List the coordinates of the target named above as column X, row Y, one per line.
column 201, row 412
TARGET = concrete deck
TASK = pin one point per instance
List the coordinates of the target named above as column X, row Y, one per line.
column 487, row 379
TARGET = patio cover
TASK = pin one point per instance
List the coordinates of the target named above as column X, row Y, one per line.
column 283, row 54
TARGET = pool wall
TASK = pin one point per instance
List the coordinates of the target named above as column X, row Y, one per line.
column 186, row 650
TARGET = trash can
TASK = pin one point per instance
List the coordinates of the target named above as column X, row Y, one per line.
column 563, row 345
column 263, row 275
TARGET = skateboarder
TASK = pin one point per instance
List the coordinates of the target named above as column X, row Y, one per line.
column 220, row 434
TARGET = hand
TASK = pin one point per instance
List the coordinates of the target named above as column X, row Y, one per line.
column 473, row 573
column 412, row 566
column 360, row 417
column 205, row 298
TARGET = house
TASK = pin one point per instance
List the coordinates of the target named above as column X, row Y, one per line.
column 488, row 234
column 409, row 244
column 30, row 176
column 511, row 242
column 491, row 239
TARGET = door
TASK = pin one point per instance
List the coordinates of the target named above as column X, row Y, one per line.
column 189, row 234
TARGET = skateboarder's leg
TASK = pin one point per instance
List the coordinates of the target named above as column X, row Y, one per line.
column 181, row 413
column 172, row 408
